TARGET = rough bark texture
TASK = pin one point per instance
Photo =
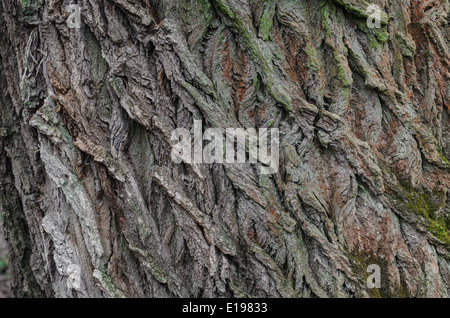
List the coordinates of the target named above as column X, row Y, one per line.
column 5, row 288
column 87, row 180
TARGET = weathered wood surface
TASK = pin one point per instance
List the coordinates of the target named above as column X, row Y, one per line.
column 87, row 181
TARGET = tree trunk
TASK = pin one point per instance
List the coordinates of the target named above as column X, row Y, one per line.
column 94, row 206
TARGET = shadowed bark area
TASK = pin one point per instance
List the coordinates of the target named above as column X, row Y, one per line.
column 88, row 188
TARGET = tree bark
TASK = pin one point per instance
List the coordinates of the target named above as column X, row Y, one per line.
column 94, row 206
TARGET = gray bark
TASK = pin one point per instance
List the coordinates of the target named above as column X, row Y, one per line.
column 87, row 181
